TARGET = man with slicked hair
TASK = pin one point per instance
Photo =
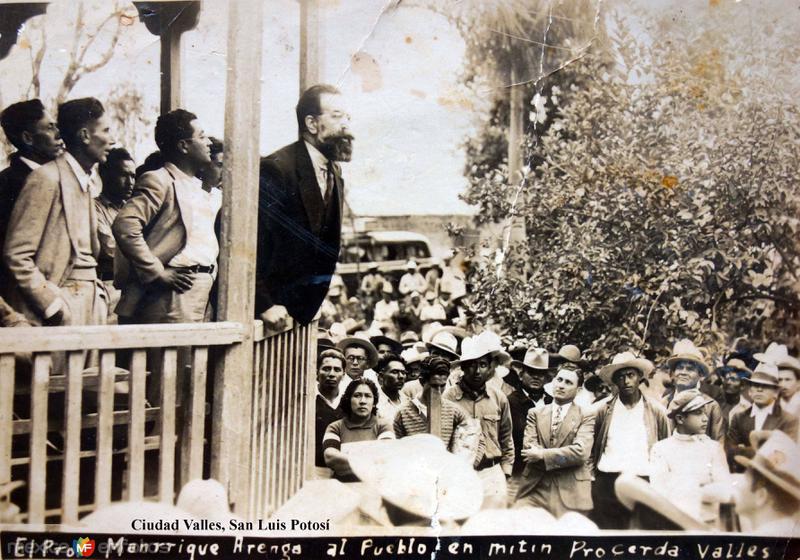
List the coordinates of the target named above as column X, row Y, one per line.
column 51, row 248
column 301, row 195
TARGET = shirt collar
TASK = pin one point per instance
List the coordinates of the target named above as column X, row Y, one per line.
column 334, row 403
column 86, row 180
column 369, row 424
column 469, row 393
column 762, row 410
column 687, row 437
column 181, row 176
column 317, row 158
column 30, row 163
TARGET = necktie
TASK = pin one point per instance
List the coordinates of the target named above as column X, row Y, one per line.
column 329, row 183
column 556, row 425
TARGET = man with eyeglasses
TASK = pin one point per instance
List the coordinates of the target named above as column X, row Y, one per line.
column 301, row 195
column 360, row 357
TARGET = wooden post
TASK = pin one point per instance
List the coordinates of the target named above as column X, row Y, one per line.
column 434, row 405
column 233, row 377
column 170, row 70
column 310, row 51
column 515, row 231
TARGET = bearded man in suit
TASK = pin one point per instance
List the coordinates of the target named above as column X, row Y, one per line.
column 301, row 196
column 557, row 448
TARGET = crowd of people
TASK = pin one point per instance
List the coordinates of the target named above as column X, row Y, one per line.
column 89, row 238
column 694, row 443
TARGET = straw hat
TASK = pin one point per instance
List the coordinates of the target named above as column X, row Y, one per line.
column 408, row 338
column 446, row 342
column 777, row 459
column 778, row 354
column 735, row 365
column 411, row 265
column 765, row 374
column 372, row 353
column 412, row 355
column 621, row 361
column 537, row 359
column 418, row 475
column 383, row 339
column 631, row 489
column 685, row 351
column 484, row 344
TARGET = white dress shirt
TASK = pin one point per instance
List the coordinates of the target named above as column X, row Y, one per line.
column 202, row 247
column 320, row 163
column 760, row 414
column 626, row 448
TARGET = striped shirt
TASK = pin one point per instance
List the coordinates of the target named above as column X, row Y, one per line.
column 412, row 419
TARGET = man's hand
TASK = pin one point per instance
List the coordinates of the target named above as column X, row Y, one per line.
column 276, row 320
column 533, row 454
column 61, row 317
column 177, row 279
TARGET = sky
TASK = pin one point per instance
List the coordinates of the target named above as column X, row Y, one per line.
column 398, row 69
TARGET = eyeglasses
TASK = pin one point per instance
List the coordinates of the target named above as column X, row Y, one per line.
column 356, row 359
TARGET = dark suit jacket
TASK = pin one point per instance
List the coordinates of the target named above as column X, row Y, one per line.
column 12, row 179
column 520, row 404
column 150, row 230
column 566, row 462
column 298, row 237
column 742, row 423
column 40, row 245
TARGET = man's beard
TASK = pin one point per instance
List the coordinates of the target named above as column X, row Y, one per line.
column 338, row 147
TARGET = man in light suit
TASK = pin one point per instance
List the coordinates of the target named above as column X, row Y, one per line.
column 166, row 244
column 556, row 449
column 301, row 195
column 52, row 246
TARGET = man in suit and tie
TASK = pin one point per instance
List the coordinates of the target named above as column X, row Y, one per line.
column 165, row 231
column 764, row 414
column 556, row 449
column 52, row 246
column 33, row 132
column 300, row 211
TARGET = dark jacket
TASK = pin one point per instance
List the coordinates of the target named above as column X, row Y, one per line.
column 655, row 419
column 298, row 236
column 520, row 404
column 742, row 423
column 12, row 178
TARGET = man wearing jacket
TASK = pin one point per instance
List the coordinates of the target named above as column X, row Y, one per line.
column 556, row 449
column 626, row 428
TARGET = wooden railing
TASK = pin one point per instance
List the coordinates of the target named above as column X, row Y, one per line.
column 92, row 423
column 282, row 417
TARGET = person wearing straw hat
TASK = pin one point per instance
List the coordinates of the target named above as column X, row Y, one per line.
column 764, row 414
column 359, row 422
column 413, row 359
column 625, row 430
column 688, row 460
column 433, row 309
column 360, row 357
column 419, row 482
column 385, row 345
column 556, row 449
column 769, row 500
column 330, row 371
column 386, row 308
column 442, row 343
column 788, row 370
column 412, row 418
column 688, row 367
column 412, row 280
column 481, row 354
column 533, row 371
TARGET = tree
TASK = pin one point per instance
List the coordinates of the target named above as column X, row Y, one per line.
column 129, row 112
column 665, row 205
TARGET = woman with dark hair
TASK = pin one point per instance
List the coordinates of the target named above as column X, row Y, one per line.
column 360, row 423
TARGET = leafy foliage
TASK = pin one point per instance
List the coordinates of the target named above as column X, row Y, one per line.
column 662, row 203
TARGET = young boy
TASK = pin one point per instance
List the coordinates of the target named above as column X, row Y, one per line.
column 688, row 460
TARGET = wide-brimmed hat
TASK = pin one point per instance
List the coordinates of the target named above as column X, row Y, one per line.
column 536, row 359
column 418, row 475
column 621, row 361
column 777, row 458
column 631, row 490
column 412, row 355
column 567, row 353
column 687, row 401
column 685, row 351
column 430, row 295
column 408, row 338
column 764, row 374
column 735, row 365
column 485, row 344
column 446, row 342
column 383, row 339
column 411, row 265
column 778, row 354
column 372, row 353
